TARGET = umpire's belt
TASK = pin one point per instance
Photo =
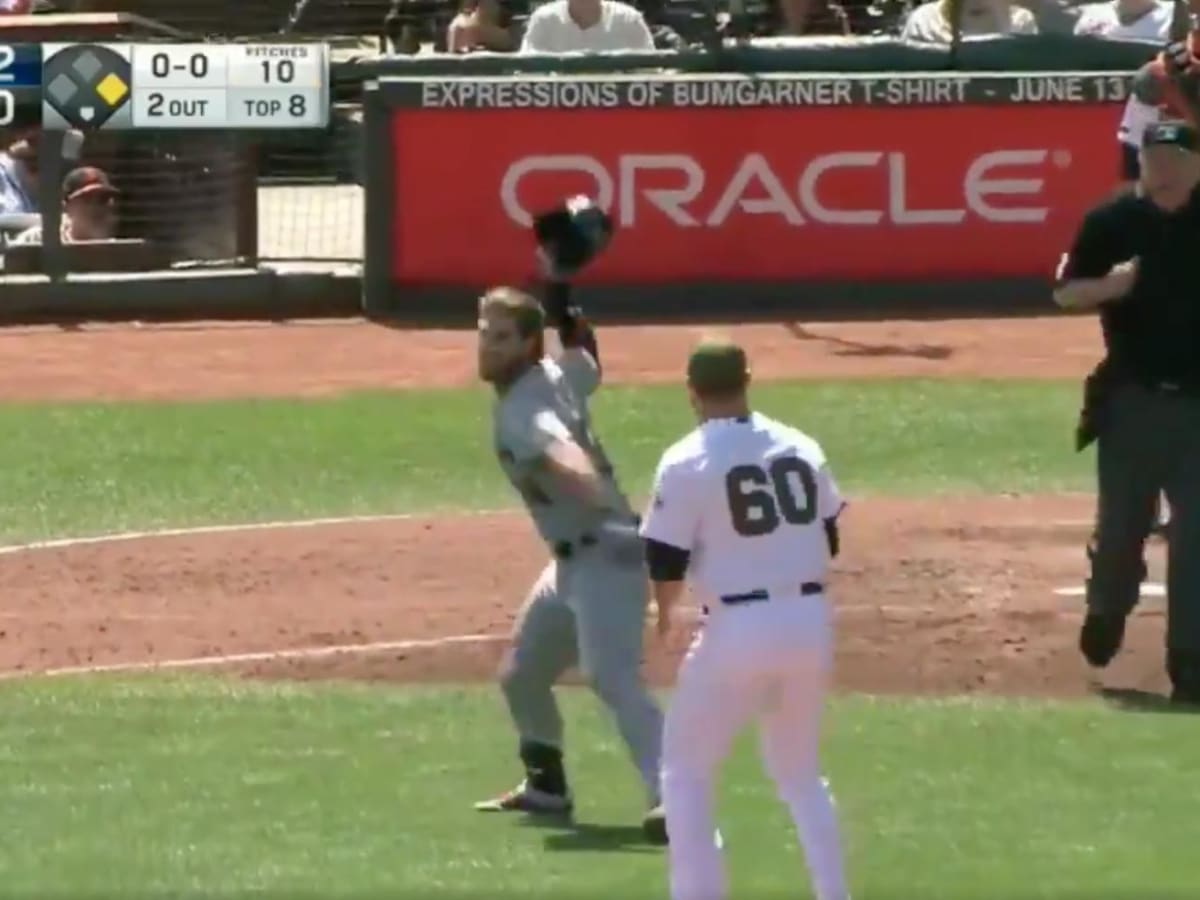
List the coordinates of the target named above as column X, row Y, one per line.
column 567, row 549
column 807, row 589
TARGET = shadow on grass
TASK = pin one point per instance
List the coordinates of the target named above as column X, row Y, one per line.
column 590, row 837
column 1136, row 700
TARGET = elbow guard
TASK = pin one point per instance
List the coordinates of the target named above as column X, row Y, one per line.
column 666, row 562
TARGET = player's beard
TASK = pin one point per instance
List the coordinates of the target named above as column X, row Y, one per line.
column 500, row 376
column 504, row 371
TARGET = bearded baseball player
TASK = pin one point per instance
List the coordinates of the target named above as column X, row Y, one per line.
column 747, row 509
column 588, row 607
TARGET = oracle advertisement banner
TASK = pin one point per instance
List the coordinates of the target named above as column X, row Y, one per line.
column 888, row 178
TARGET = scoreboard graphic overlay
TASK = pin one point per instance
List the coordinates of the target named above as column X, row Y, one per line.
column 113, row 87
column 20, row 85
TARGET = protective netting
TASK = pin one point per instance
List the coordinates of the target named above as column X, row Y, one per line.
column 188, row 197
column 188, row 194
column 310, row 195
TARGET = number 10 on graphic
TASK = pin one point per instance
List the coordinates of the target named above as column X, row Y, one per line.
column 278, row 86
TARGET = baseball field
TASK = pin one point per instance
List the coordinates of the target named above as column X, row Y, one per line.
column 255, row 580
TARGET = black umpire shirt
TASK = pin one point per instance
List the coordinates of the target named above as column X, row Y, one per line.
column 1152, row 335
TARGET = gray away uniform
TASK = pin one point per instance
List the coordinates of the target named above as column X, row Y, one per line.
column 588, row 606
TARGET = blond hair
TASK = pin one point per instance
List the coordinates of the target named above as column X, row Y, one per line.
column 522, row 308
column 519, row 307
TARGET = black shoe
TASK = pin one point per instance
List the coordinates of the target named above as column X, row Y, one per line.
column 1183, row 668
column 1100, row 637
column 654, row 826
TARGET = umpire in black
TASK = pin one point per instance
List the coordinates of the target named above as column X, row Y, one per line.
column 1136, row 259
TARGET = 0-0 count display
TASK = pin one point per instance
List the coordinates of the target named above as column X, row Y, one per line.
column 187, row 86
column 161, row 65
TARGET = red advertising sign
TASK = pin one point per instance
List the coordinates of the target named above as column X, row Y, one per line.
column 773, row 193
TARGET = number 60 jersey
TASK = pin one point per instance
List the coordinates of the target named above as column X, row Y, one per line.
column 748, row 498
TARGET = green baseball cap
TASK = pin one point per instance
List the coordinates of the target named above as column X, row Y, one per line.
column 718, row 366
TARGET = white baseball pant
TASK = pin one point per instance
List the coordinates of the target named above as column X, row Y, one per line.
column 770, row 661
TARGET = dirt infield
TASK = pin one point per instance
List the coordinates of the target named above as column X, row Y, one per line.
column 956, row 595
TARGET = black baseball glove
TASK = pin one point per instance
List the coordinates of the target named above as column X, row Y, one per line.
column 568, row 238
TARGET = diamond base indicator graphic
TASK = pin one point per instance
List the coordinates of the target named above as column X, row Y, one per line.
column 86, row 84
column 112, row 89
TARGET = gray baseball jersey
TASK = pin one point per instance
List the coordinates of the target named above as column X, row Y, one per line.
column 588, row 610
column 549, row 403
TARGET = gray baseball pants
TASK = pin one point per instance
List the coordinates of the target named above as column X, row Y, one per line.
column 1151, row 444
column 588, row 611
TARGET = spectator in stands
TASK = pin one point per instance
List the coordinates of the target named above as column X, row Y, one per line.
column 89, row 208
column 477, row 27
column 587, row 26
column 933, row 22
column 1127, row 20
column 18, row 175
column 801, row 17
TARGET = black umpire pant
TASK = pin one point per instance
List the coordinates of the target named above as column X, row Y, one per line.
column 1150, row 443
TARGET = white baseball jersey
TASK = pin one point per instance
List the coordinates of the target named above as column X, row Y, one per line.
column 748, row 498
column 1101, row 20
column 552, row 30
column 1134, row 121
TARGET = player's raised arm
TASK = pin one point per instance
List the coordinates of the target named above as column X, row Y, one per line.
column 569, row 237
column 580, row 359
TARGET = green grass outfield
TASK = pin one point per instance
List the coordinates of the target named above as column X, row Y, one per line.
column 84, row 469
column 199, row 787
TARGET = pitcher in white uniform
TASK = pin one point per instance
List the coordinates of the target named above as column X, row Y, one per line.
column 744, row 508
